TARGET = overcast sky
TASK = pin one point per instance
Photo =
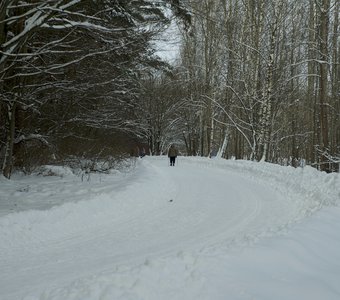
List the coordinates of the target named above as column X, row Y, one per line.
column 168, row 44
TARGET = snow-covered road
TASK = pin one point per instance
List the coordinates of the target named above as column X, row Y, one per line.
column 157, row 211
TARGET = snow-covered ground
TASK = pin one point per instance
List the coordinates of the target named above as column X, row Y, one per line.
column 206, row 229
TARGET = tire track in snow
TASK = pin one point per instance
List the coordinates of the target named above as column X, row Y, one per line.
column 264, row 212
column 210, row 207
column 211, row 227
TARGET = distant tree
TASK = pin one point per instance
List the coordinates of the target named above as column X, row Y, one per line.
column 70, row 69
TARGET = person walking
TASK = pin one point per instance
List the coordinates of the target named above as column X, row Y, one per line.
column 172, row 154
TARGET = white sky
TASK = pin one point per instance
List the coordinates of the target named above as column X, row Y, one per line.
column 169, row 43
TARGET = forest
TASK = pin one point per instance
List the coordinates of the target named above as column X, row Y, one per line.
column 254, row 79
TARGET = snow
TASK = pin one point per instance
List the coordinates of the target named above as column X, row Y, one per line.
column 204, row 229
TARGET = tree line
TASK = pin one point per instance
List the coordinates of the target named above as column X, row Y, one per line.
column 70, row 77
column 255, row 79
column 260, row 80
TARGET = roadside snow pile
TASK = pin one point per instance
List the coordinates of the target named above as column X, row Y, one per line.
column 311, row 188
column 50, row 170
column 50, row 186
column 84, row 206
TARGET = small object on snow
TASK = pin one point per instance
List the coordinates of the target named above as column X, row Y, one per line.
column 24, row 189
column 171, row 200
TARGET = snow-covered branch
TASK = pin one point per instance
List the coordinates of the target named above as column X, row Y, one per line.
column 30, row 137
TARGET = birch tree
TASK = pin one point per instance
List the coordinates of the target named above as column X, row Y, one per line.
column 323, row 8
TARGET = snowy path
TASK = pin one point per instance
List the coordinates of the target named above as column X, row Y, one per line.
column 157, row 212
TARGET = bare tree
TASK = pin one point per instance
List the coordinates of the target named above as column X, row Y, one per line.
column 273, row 68
column 67, row 65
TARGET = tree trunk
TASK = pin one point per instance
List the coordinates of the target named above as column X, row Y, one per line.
column 323, row 94
column 7, row 167
column 266, row 109
column 222, row 149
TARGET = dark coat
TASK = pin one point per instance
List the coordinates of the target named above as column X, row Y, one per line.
column 172, row 152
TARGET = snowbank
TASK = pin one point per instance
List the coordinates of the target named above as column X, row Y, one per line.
column 206, row 229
